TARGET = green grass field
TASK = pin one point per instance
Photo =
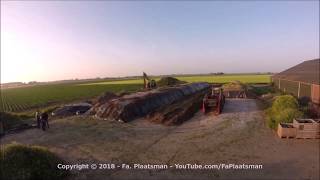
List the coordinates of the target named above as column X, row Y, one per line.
column 25, row 98
column 228, row 78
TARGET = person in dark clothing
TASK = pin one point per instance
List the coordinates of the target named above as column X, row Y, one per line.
column 37, row 117
column 44, row 121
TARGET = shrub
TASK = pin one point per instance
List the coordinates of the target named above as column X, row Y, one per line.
column 262, row 90
column 304, row 101
column 284, row 102
column 29, row 162
column 283, row 109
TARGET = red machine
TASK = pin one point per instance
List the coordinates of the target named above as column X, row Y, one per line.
column 214, row 100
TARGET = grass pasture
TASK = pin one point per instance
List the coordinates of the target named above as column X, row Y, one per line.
column 250, row 78
column 20, row 99
column 26, row 98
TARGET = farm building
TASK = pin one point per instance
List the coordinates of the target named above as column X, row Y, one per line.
column 302, row 80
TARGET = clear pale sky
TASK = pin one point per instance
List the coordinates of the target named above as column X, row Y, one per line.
column 47, row 41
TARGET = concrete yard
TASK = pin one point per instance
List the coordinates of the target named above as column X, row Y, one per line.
column 239, row 135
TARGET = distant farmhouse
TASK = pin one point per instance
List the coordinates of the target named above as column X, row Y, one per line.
column 302, row 80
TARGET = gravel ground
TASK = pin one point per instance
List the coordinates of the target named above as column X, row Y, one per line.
column 237, row 136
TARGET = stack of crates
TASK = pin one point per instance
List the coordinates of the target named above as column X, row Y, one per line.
column 300, row 129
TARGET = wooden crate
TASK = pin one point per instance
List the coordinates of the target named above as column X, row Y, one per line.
column 306, row 128
column 286, row 130
column 317, row 121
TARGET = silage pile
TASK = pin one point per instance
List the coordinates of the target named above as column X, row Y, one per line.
column 100, row 102
column 169, row 81
column 179, row 111
column 72, row 109
column 140, row 104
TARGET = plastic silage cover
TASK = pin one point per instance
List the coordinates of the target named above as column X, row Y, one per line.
column 140, row 104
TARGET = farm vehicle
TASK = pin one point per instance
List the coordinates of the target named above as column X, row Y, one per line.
column 148, row 83
column 213, row 101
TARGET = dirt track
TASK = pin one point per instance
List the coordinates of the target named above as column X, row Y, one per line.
column 236, row 136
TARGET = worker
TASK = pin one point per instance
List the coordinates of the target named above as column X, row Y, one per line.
column 37, row 117
column 44, row 121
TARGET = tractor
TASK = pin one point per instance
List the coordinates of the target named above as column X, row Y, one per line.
column 148, row 83
column 213, row 100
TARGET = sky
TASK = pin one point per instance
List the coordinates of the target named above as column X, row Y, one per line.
column 55, row 40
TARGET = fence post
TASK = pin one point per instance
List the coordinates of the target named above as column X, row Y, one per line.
column 299, row 90
column 279, row 83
